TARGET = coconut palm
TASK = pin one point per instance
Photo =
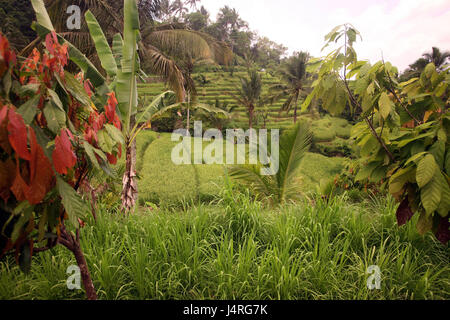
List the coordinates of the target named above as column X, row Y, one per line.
column 249, row 94
column 179, row 8
column 285, row 184
column 125, row 84
column 158, row 45
column 437, row 57
column 296, row 80
column 415, row 69
column 121, row 64
column 160, row 41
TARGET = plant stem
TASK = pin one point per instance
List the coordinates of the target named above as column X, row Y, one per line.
column 73, row 244
column 369, row 122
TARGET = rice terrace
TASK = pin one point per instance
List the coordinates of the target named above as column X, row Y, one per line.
column 224, row 150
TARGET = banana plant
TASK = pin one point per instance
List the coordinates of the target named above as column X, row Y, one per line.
column 122, row 66
column 122, row 69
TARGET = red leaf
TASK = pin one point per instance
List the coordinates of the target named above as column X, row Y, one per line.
column 18, row 135
column 111, row 158
column 4, row 141
column 110, row 108
column 19, row 186
column 3, row 113
column 90, row 136
column 63, row 156
column 88, row 87
column 404, row 213
column 41, row 173
column 7, row 56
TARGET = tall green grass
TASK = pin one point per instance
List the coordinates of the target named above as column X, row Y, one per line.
column 236, row 249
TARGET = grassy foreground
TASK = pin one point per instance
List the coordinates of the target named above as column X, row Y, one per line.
column 235, row 249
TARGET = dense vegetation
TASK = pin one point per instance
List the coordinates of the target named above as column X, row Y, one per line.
column 85, row 160
column 238, row 250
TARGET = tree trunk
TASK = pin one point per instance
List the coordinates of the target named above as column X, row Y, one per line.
column 73, row 244
column 129, row 181
column 188, row 112
column 188, row 120
column 85, row 275
column 250, row 117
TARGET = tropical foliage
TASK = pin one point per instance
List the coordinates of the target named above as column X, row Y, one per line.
column 375, row 153
column 285, row 185
column 404, row 130
column 53, row 131
column 249, row 94
column 295, row 77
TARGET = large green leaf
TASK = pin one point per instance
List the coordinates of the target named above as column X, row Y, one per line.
column 105, row 142
column 294, row 144
column 117, row 48
column 426, row 170
column 430, row 194
column 72, row 202
column 365, row 171
column 385, row 105
column 76, row 89
column 56, row 118
column 126, row 89
column 29, row 109
column 115, row 133
column 444, row 205
column 155, row 106
column 42, row 15
column 101, row 45
column 447, row 162
column 91, row 153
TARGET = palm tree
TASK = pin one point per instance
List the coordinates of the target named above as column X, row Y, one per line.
column 160, row 41
column 285, row 184
column 296, row 79
column 437, row 57
column 178, row 8
column 157, row 47
column 165, row 10
column 415, row 69
column 123, row 53
column 192, row 3
column 249, row 94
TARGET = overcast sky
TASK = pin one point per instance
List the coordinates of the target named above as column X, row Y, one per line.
column 400, row 30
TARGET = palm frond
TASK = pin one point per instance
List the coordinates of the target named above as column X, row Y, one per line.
column 160, row 64
column 294, row 144
column 179, row 42
column 250, row 176
column 285, row 184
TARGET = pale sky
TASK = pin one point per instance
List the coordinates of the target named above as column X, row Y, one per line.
column 399, row 30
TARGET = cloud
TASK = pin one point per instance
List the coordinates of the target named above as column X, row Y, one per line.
column 400, row 30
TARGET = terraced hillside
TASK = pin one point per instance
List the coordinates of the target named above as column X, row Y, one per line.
column 220, row 85
column 330, row 133
column 329, row 148
column 203, row 182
